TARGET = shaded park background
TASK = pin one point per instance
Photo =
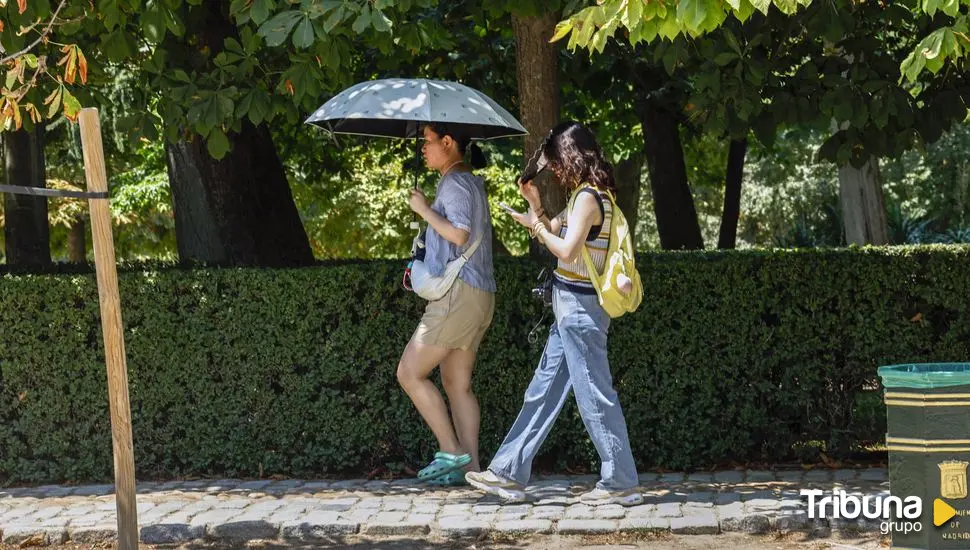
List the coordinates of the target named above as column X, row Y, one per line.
column 757, row 145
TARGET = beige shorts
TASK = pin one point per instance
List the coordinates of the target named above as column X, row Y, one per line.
column 458, row 320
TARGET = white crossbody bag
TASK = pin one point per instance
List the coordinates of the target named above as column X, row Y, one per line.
column 429, row 287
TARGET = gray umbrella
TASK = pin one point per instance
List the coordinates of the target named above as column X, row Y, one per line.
column 396, row 107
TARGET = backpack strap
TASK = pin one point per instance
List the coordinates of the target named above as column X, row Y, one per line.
column 590, row 267
column 598, row 193
column 595, row 229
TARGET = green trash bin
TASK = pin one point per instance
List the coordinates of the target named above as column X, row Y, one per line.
column 928, row 438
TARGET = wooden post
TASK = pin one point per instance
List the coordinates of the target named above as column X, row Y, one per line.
column 114, row 343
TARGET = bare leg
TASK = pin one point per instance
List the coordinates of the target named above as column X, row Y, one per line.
column 416, row 364
column 456, row 376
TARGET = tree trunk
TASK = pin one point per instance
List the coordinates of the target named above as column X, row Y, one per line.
column 860, row 193
column 26, row 231
column 76, row 246
column 863, row 209
column 628, row 174
column 536, row 63
column 196, row 231
column 672, row 200
column 237, row 210
column 728, row 237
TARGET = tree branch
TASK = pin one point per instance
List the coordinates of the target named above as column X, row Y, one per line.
column 43, row 35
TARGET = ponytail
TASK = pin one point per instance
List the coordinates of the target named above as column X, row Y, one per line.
column 478, row 158
column 465, row 144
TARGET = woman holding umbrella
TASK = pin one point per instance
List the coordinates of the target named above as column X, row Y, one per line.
column 450, row 114
column 451, row 329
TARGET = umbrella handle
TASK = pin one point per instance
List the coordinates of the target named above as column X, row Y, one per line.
column 417, row 158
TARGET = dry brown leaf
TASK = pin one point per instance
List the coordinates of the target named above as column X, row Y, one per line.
column 39, row 539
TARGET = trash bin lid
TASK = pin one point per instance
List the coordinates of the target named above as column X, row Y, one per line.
column 925, row 375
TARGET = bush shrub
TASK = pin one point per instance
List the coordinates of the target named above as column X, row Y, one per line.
column 733, row 356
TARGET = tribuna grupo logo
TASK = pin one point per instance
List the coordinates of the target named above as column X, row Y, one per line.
column 897, row 515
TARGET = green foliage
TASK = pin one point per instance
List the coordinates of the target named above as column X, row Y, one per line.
column 833, row 66
column 733, row 356
column 649, row 21
column 705, row 159
column 790, row 198
column 141, row 206
column 41, row 72
column 358, row 209
column 646, row 21
column 934, row 182
column 905, row 229
column 204, row 75
column 950, row 42
column 817, row 229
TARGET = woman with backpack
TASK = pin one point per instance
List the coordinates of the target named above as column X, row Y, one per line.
column 575, row 353
column 453, row 326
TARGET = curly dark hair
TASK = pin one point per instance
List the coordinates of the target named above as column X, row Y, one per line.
column 572, row 151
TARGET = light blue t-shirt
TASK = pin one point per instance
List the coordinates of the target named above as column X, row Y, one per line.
column 460, row 198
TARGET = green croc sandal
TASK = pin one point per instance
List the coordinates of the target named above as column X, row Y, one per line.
column 455, row 478
column 442, row 464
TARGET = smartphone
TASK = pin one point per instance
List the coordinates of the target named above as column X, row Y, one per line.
column 507, row 208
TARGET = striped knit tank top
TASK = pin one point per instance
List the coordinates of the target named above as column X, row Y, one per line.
column 573, row 275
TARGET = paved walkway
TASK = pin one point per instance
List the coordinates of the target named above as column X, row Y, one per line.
column 307, row 511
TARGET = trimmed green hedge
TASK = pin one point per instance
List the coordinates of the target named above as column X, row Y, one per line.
column 733, row 356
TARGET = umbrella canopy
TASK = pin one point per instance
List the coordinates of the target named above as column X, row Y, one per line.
column 396, row 108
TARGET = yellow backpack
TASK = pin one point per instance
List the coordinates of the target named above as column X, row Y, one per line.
column 619, row 261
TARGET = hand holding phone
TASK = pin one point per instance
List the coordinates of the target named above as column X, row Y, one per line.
column 508, row 208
